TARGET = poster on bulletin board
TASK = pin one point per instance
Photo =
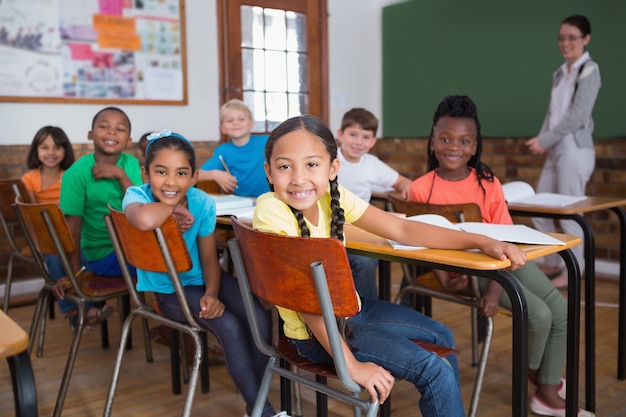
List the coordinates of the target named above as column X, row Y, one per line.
column 93, row 51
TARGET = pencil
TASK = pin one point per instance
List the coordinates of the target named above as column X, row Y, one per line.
column 68, row 283
column 224, row 164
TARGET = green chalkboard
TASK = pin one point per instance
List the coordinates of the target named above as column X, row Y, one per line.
column 500, row 53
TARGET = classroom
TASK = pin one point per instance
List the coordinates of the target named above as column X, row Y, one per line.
column 376, row 54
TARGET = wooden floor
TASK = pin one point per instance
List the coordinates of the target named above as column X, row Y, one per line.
column 144, row 389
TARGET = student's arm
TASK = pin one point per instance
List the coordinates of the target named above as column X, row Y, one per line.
column 374, row 378
column 409, row 232
column 210, row 305
column 105, row 170
column 31, row 196
column 149, row 216
column 227, row 182
column 402, row 184
column 490, row 301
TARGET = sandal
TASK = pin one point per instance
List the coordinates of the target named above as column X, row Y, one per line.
column 101, row 314
column 72, row 317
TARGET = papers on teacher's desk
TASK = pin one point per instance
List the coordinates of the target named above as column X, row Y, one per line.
column 515, row 233
column 519, row 192
column 234, row 205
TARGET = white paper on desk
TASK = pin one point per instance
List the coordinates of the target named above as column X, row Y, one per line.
column 519, row 192
column 516, row 233
column 231, row 201
column 242, row 213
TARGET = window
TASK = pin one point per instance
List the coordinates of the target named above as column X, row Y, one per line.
column 274, row 58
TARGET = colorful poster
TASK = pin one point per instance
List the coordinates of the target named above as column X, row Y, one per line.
column 91, row 49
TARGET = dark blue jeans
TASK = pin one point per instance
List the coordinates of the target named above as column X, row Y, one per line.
column 244, row 362
column 382, row 333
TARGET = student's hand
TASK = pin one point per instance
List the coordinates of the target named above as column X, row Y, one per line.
column 183, row 217
column 210, row 307
column 59, row 288
column 503, row 250
column 535, row 147
column 374, row 378
column 489, row 305
column 227, row 182
column 103, row 170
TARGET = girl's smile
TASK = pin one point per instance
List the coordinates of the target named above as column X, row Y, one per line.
column 454, row 143
column 300, row 170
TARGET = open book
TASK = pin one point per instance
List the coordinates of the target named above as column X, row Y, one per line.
column 516, row 233
column 234, row 205
column 519, row 192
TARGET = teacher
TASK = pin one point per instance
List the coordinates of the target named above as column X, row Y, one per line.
column 566, row 133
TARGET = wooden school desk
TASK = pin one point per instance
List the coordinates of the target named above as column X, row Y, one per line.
column 576, row 212
column 363, row 243
column 14, row 348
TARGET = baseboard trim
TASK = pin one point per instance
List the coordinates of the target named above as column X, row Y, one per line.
column 22, row 287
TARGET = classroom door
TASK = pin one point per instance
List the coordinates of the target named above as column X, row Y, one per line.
column 273, row 57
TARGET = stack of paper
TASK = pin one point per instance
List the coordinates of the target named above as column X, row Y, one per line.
column 519, row 192
column 234, row 205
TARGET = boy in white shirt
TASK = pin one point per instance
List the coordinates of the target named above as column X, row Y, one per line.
column 363, row 173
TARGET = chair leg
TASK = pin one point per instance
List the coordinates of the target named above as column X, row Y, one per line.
column 36, row 321
column 482, row 365
column 71, row 359
column 297, row 396
column 7, row 285
column 108, row 406
column 321, row 399
column 204, row 365
column 285, row 389
column 175, row 361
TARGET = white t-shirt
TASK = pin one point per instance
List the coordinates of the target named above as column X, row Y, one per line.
column 368, row 175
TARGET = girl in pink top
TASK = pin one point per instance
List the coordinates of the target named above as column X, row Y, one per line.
column 50, row 154
column 456, row 175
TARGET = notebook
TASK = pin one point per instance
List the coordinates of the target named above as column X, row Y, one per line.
column 519, row 192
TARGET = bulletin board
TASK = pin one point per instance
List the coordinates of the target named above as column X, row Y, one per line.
column 93, row 51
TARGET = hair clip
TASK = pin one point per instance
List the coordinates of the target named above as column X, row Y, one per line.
column 157, row 135
column 165, row 133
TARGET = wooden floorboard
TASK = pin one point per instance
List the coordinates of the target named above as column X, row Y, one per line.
column 144, row 388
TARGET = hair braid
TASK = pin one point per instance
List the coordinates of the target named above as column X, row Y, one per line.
column 338, row 219
column 304, row 230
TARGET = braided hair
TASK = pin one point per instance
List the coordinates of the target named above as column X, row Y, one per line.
column 316, row 127
column 461, row 107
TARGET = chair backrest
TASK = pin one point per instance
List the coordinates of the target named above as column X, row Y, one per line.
column 468, row 212
column 140, row 247
column 279, row 270
column 160, row 250
column 9, row 189
column 45, row 223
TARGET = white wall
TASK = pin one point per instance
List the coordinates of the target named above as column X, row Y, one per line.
column 354, row 74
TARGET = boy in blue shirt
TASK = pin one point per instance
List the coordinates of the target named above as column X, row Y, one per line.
column 237, row 165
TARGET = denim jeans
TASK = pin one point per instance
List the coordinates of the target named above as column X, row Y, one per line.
column 244, row 362
column 382, row 333
column 364, row 275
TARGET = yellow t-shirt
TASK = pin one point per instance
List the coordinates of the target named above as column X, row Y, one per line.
column 272, row 215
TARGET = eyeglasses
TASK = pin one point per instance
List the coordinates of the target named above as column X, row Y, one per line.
column 571, row 38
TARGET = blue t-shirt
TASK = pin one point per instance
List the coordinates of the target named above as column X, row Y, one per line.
column 202, row 207
column 245, row 163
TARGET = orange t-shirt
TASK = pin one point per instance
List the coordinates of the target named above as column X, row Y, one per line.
column 32, row 181
column 432, row 189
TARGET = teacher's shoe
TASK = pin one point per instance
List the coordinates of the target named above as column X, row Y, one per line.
column 541, row 409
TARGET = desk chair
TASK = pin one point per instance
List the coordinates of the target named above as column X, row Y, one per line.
column 427, row 285
column 141, row 249
column 222, row 236
column 9, row 189
column 14, row 348
column 47, row 232
column 309, row 275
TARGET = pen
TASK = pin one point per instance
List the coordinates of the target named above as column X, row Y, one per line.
column 68, row 283
column 224, row 164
